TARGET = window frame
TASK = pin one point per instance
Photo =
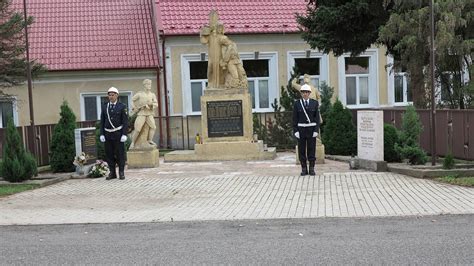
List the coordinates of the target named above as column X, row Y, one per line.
column 391, row 84
column 98, row 95
column 14, row 101
column 373, row 79
column 323, row 65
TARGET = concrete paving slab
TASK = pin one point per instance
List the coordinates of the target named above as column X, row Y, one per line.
column 234, row 190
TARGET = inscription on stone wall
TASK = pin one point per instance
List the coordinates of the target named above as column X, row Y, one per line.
column 89, row 145
column 370, row 135
column 224, row 119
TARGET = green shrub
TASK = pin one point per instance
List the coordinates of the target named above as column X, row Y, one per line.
column 17, row 165
column 325, row 104
column 63, row 149
column 408, row 145
column 340, row 134
column 278, row 132
column 414, row 154
column 449, row 162
column 390, row 136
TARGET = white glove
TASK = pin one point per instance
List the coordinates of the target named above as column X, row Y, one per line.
column 123, row 138
column 102, row 138
column 297, row 135
column 315, row 134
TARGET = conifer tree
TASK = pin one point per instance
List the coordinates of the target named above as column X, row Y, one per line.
column 280, row 131
column 340, row 134
column 325, row 104
column 12, row 47
column 17, row 165
column 63, row 148
column 409, row 147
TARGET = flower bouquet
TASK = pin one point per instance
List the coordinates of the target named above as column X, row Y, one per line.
column 99, row 169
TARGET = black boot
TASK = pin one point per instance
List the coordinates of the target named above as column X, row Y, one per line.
column 304, row 169
column 311, row 168
column 112, row 175
column 121, row 175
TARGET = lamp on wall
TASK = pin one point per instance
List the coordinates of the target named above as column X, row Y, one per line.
column 256, row 54
column 308, row 53
column 203, row 56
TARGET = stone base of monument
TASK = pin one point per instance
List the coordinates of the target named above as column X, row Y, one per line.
column 320, row 152
column 224, row 151
column 376, row 166
column 146, row 158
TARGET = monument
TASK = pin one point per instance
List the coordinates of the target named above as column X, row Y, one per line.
column 320, row 152
column 143, row 152
column 370, row 143
column 226, row 105
column 85, row 144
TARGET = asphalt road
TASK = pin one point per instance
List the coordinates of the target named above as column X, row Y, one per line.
column 430, row 240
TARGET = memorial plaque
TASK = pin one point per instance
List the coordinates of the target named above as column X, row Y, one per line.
column 224, row 119
column 86, row 142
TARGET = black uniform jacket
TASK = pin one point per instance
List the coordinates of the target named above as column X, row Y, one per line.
column 300, row 118
column 118, row 117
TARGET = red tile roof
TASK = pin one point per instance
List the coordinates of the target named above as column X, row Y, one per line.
column 91, row 34
column 185, row 17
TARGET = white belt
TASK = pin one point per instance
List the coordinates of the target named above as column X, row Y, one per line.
column 113, row 129
column 306, row 124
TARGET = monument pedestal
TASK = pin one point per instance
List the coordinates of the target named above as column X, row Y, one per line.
column 224, row 151
column 143, row 158
column 227, row 130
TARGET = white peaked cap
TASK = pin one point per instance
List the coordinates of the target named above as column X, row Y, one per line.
column 113, row 89
column 306, row 87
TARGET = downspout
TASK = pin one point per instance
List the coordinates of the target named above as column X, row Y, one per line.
column 158, row 68
column 168, row 131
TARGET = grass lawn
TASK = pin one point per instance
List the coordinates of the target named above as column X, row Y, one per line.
column 462, row 181
column 7, row 189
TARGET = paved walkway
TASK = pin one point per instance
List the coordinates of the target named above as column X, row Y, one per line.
column 234, row 190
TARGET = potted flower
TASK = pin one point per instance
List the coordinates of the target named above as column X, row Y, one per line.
column 99, row 169
column 79, row 161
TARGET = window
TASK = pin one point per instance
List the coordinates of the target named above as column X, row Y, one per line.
column 91, row 104
column 309, row 62
column 399, row 92
column 402, row 92
column 6, row 111
column 310, row 66
column 358, row 79
column 198, row 76
column 258, row 76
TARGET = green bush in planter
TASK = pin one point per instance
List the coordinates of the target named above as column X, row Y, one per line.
column 17, row 165
column 449, row 162
column 63, row 149
column 340, row 134
column 390, row 136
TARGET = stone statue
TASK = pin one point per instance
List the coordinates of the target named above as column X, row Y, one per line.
column 144, row 105
column 314, row 91
column 225, row 69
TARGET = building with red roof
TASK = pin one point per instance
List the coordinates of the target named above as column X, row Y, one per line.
column 87, row 47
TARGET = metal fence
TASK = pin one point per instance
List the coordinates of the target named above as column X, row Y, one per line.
column 453, row 132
